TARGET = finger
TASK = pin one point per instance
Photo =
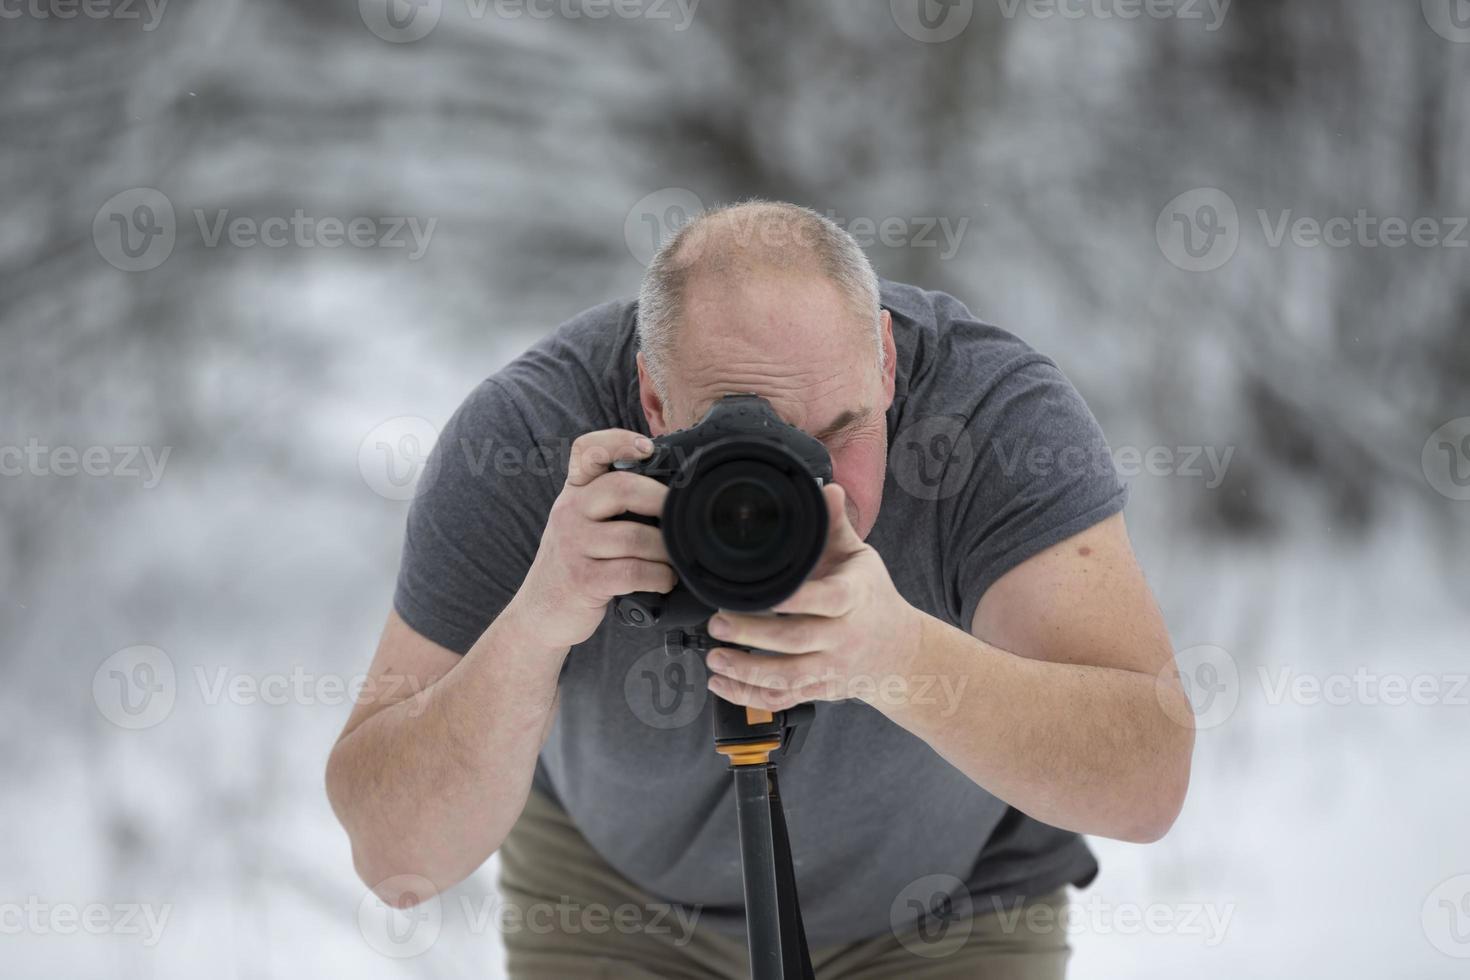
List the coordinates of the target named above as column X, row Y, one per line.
column 842, row 539
column 619, row 576
column 621, row 493
column 830, row 597
column 738, row 692
column 839, row 527
column 779, row 634
column 625, row 539
column 793, row 673
column 594, row 452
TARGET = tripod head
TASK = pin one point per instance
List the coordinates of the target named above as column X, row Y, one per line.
column 745, row 736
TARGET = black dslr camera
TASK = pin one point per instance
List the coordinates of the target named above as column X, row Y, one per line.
column 744, row 521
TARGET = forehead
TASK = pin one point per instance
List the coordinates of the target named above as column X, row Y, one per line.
column 790, row 338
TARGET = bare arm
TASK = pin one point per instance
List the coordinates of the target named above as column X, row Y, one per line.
column 1073, row 712
column 1068, row 709
column 435, row 762
column 430, row 776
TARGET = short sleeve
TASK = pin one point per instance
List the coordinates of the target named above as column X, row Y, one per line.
column 1042, row 472
column 476, row 520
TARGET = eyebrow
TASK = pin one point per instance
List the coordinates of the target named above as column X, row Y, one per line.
column 843, row 421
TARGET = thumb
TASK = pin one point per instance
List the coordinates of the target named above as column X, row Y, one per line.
column 841, row 535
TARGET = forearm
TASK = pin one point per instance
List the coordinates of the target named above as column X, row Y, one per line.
column 1083, row 748
column 431, row 785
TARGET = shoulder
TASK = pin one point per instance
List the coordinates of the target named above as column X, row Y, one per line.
column 950, row 360
column 594, row 348
column 579, row 377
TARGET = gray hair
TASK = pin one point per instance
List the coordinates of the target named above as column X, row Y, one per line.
column 739, row 239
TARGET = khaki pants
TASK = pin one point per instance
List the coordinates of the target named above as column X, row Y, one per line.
column 546, row 865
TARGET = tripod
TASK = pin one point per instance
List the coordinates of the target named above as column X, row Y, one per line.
column 750, row 739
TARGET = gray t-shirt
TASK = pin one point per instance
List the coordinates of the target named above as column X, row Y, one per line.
column 993, row 457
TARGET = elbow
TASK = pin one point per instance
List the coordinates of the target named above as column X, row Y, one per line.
column 400, row 875
column 397, row 866
column 1152, row 823
column 1151, row 829
column 400, row 878
column 387, row 878
column 1163, row 801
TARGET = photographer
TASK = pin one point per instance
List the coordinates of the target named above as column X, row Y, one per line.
column 963, row 556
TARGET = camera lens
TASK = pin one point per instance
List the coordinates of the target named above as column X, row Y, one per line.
column 744, row 522
column 744, row 517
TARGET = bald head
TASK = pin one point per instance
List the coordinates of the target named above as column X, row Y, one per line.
column 744, row 248
column 777, row 301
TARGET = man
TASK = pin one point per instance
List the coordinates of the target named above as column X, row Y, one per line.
column 992, row 675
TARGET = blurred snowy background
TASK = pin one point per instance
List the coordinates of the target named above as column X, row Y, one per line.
column 210, row 399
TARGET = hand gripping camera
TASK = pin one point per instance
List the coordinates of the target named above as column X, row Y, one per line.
column 744, row 521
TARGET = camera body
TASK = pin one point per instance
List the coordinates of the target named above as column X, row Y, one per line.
column 744, row 521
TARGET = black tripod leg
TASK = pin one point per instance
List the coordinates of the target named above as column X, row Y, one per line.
column 798, row 961
column 758, row 862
